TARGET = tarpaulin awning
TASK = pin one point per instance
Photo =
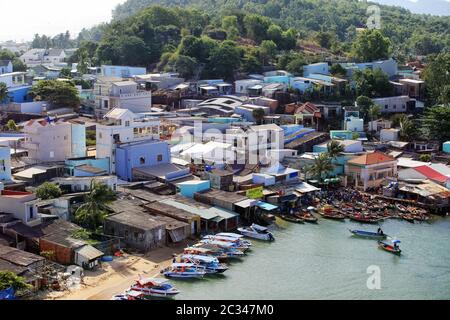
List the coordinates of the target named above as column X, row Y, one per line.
column 266, row 206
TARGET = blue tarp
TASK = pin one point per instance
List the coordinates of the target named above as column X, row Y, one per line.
column 266, row 206
column 7, row 294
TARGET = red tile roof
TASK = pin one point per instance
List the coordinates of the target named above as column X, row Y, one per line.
column 431, row 174
column 371, row 158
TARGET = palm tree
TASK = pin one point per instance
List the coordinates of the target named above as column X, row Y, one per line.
column 258, row 114
column 3, row 92
column 335, row 148
column 93, row 211
column 407, row 129
column 374, row 112
column 306, row 170
column 322, row 166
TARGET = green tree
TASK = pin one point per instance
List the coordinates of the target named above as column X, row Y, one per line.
column 296, row 65
column 59, row 93
column 66, row 73
column 322, row 166
column 374, row 112
column 408, row 130
column 258, row 114
column 275, row 33
column 325, row 39
column 436, row 123
column 48, row 190
column 3, row 92
column 425, row 158
column 364, row 104
column 338, row 71
column 9, row 279
column 230, row 25
column 268, row 49
column 334, row 149
column 184, row 65
column 93, row 211
column 256, row 27
column 225, row 60
column 11, row 125
column 373, row 83
column 437, row 78
column 371, row 45
column 18, row 65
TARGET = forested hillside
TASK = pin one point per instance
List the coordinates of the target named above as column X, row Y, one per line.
column 409, row 33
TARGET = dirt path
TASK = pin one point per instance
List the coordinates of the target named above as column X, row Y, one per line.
column 117, row 276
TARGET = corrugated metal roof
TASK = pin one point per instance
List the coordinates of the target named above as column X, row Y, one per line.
column 89, row 252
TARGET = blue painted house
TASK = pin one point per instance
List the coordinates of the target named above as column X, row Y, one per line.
column 142, row 154
column 122, row 71
column 189, row 188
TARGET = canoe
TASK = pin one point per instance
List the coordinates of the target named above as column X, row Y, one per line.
column 363, row 219
column 389, row 248
column 367, row 234
column 291, row 218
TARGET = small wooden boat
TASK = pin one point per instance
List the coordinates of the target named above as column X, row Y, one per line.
column 291, row 218
column 408, row 217
column 367, row 234
column 401, row 208
column 389, row 248
column 363, row 218
column 331, row 213
column 307, row 217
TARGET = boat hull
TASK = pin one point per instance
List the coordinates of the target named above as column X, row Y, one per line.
column 256, row 235
column 389, row 248
column 370, row 235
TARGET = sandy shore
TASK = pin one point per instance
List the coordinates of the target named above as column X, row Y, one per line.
column 117, row 276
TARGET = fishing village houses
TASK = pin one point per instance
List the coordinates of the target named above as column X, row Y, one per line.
column 217, row 156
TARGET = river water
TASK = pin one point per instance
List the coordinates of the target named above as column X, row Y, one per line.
column 324, row 261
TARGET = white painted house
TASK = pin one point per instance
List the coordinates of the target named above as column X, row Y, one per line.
column 21, row 205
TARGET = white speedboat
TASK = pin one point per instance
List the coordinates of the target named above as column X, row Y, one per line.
column 211, row 264
column 223, row 243
column 257, row 232
column 184, row 271
column 238, row 241
column 230, row 235
column 153, row 287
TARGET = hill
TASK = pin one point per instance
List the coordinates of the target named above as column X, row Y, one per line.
column 410, row 33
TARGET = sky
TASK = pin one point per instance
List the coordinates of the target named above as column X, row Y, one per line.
column 50, row 17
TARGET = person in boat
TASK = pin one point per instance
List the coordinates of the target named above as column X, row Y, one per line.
column 380, row 232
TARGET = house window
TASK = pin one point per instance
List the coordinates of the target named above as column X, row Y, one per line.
column 403, row 106
column 100, row 135
column 395, row 106
column 2, row 165
column 385, row 106
column 142, row 160
column 127, row 123
column 160, row 158
column 31, row 213
column 52, row 154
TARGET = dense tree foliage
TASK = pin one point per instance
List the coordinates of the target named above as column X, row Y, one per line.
column 18, row 65
column 372, row 83
column 48, row 190
column 371, row 45
column 409, row 33
column 60, row 41
column 437, row 77
column 59, row 93
column 436, row 123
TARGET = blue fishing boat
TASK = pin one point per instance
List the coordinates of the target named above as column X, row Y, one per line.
column 368, row 234
column 211, row 264
column 184, row 271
